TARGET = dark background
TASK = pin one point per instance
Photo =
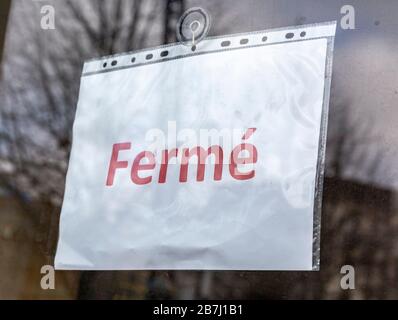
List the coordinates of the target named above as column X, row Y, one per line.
column 40, row 74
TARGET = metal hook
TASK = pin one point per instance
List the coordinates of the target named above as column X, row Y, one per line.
column 194, row 29
column 193, row 26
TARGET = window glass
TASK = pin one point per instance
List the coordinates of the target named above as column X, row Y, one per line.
column 43, row 52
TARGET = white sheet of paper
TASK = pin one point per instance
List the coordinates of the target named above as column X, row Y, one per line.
column 263, row 223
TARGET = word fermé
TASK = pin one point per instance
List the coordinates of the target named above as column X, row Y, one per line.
column 144, row 163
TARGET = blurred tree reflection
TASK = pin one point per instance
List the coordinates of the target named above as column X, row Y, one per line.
column 38, row 103
column 38, row 98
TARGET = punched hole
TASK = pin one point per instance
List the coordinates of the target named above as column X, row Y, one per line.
column 149, row 56
column 132, row 59
column 164, row 53
column 244, row 41
column 289, row 35
column 225, row 43
column 104, row 65
column 302, row 34
column 264, row 39
column 114, row 63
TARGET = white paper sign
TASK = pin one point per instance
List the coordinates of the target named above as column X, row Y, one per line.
column 205, row 159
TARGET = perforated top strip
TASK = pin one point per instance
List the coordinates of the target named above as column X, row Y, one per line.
column 209, row 45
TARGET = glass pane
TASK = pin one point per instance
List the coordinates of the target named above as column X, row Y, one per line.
column 44, row 49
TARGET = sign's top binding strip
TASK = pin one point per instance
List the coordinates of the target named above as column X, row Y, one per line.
column 226, row 42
